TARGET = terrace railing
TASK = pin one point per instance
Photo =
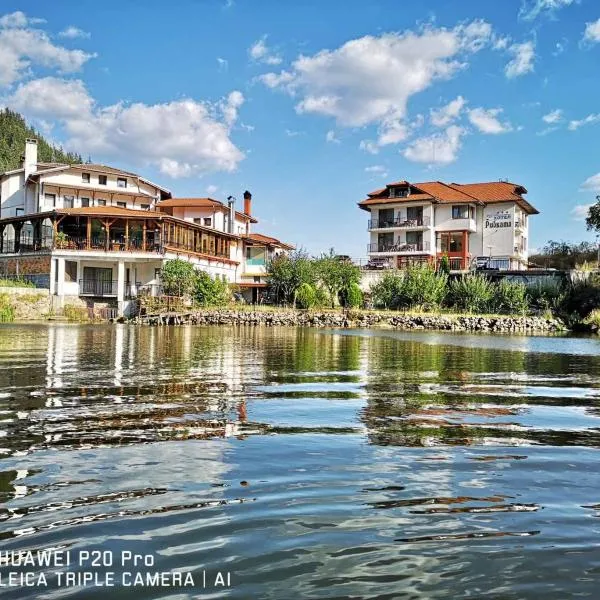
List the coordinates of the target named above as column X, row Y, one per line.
column 400, row 223
column 395, row 247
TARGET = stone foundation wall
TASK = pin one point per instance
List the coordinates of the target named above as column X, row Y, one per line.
column 501, row 324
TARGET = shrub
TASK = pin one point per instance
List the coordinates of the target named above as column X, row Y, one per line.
column 423, row 288
column 473, row 293
column 581, row 298
column 322, row 298
column 7, row 310
column 75, row 313
column 593, row 319
column 386, row 291
column 444, row 266
column 354, row 296
column 510, row 297
column 306, row 296
column 545, row 295
column 209, row 291
column 16, row 283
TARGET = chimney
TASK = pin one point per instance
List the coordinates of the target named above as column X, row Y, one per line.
column 31, row 157
column 231, row 204
column 247, row 203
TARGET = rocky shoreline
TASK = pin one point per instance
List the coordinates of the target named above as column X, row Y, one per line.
column 355, row 319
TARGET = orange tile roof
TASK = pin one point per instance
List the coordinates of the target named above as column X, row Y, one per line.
column 265, row 239
column 486, row 192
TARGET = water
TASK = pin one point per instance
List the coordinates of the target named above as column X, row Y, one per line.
column 305, row 463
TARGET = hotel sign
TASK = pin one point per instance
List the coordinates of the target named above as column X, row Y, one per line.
column 501, row 218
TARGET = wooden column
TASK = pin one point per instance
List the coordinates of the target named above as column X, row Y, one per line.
column 144, row 235
column 2, row 227
column 465, row 251
column 88, row 233
column 126, row 234
column 107, row 240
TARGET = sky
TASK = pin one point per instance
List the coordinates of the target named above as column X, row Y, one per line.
column 310, row 105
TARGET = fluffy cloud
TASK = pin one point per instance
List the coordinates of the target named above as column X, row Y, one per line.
column 522, row 61
column 369, row 80
column 591, row 184
column 446, row 114
column 331, row 137
column 589, row 120
column 592, row 32
column 554, row 116
column 211, row 189
column 530, row 9
column 440, row 148
column 379, row 170
column 73, row 32
column 182, row 138
column 22, row 47
column 487, row 121
column 580, row 212
column 260, row 52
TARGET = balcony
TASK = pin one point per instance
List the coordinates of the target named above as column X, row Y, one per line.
column 418, row 223
column 457, row 225
column 97, row 287
column 399, row 248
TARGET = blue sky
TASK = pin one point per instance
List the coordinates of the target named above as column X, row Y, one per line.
column 312, row 104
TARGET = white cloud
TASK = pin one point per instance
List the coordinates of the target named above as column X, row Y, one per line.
column 591, row 184
column 580, row 212
column 369, row 80
column 369, row 146
column 379, row 170
column 260, row 52
column 331, row 137
column 523, row 59
column 73, row 32
column 223, row 64
column 22, row 48
column 440, row 148
column 546, row 131
column 211, row 189
column 292, row 133
column 530, row 9
column 589, row 120
column 18, row 19
column 182, row 138
column 487, row 121
column 592, row 32
column 554, row 116
column 447, row 114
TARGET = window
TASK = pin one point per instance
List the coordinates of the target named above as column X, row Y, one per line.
column 85, row 202
column 102, row 179
column 101, row 202
column 451, row 242
column 145, row 206
column 399, row 192
column 472, row 212
column 70, row 270
column 208, row 222
column 68, row 201
column 85, row 177
column 121, row 182
column 19, row 212
column 122, row 204
column 198, row 221
column 460, row 212
column 50, row 200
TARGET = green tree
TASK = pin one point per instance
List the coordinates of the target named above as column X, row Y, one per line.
column 286, row 272
column 306, row 296
column 593, row 217
column 178, row 277
column 444, row 266
column 473, row 293
column 336, row 274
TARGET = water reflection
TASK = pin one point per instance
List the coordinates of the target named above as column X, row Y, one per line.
column 313, row 463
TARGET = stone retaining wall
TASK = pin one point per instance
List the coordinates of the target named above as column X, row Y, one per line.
column 502, row 324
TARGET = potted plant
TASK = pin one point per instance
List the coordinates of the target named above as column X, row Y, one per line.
column 61, row 239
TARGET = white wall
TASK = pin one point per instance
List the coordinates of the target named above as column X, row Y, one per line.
column 12, row 194
column 445, row 222
column 499, row 229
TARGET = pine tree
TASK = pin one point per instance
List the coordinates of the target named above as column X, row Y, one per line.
column 14, row 130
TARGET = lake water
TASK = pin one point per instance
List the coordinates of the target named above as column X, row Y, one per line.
column 302, row 463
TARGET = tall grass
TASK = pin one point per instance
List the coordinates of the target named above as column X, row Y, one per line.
column 473, row 293
column 7, row 309
column 16, row 283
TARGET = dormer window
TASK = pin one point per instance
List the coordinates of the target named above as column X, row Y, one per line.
column 85, row 177
column 121, row 182
column 398, row 192
column 102, row 179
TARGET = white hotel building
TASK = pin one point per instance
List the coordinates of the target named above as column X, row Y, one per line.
column 101, row 234
column 475, row 224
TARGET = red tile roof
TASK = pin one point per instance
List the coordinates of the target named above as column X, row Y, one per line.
column 267, row 240
column 437, row 191
column 201, row 203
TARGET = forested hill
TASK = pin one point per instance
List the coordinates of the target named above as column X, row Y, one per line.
column 13, row 133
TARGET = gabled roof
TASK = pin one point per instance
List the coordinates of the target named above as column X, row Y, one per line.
column 202, row 203
column 259, row 238
column 438, row 191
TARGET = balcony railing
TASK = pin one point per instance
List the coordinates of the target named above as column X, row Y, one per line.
column 399, row 247
column 99, row 243
column 399, row 223
column 97, row 287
